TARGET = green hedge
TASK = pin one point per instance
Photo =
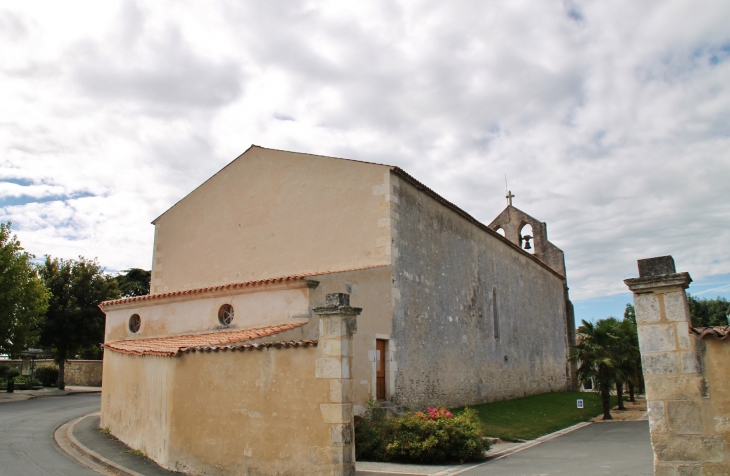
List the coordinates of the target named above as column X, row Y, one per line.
column 47, row 375
column 434, row 436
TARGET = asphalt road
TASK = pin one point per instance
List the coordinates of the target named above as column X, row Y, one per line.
column 616, row 449
column 27, row 447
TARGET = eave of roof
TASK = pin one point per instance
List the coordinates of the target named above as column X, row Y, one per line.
column 175, row 345
column 212, row 290
column 719, row 332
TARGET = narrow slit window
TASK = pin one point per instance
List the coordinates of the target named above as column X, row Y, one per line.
column 495, row 313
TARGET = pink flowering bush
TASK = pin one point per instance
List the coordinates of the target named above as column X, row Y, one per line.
column 433, row 414
column 431, row 436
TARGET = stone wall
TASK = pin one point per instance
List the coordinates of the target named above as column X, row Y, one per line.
column 81, row 373
column 687, row 388
column 475, row 318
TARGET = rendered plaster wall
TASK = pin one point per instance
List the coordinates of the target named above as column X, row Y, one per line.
column 370, row 290
column 196, row 313
column 715, row 355
column 260, row 411
column 272, row 213
column 445, row 272
column 252, row 412
column 135, row 401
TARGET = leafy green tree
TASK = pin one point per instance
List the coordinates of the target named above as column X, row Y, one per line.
column 23, row 298
column 134, row 282
column 630, row 313
column 708, row 312
column 600, row 355
column 74, row 321
column 628, row 359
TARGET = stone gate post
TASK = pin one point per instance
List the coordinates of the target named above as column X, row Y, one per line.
column 681, row 429
column 337, row 324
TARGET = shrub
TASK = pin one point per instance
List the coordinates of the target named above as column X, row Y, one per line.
column 47, row 375
column 372, row 433
column 435, row 436
column 7, row 372
column 24, row 382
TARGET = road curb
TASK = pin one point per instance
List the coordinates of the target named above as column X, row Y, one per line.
column 525, row 446
column 67, row 441
column 65, row 438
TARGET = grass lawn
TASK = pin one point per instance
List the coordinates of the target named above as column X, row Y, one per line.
column 531, row 417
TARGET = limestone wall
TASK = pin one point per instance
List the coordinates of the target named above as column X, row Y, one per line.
column 451, row 349
column 82, row 373
column 687, row 388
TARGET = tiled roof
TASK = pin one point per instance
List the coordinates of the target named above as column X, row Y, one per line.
column 174, row 345
column 720, row 332
column 222, row 287
column 256, row 346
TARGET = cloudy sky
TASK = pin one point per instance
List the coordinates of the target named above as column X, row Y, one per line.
column 611, row 120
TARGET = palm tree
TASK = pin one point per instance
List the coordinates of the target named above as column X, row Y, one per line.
column 631, row 364
column 600, row 354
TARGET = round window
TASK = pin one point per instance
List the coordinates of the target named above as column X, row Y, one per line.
column 225, row 314
column 134, row 323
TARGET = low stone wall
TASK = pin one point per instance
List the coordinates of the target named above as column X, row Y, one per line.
column 81, row 373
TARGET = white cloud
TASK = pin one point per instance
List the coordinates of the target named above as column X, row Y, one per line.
column 610, row 119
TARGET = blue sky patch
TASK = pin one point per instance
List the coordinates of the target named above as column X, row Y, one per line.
column 709, row 287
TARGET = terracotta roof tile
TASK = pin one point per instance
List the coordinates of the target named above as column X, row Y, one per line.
column 174, row 345
column 256, row 346
column 720, row 332
column 245, row 284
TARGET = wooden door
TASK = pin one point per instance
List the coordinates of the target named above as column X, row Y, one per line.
column 380, row 369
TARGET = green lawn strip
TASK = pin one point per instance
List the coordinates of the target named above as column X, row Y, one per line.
column 531, row 417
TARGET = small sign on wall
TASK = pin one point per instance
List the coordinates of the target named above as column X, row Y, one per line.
column 580, row 403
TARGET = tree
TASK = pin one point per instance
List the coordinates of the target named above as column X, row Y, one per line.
column 630, row 313
column 134, row 282
column 708, row 312
column 74, row 321
column 23, row 298
column 632, row 365
column 599, row 353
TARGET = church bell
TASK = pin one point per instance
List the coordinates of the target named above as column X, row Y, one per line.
column 527, row 239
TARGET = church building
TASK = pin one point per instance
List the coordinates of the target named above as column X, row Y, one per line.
column 454, row 312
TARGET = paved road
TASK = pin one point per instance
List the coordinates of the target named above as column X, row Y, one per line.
column 27, row 447
column 616, row 449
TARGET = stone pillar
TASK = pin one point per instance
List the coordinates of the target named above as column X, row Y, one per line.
column 337, row 324
column 681, row 430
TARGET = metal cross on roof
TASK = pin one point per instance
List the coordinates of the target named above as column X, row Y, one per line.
column 509, row 197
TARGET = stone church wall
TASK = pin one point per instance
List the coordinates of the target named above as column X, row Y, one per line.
column 452, row 350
